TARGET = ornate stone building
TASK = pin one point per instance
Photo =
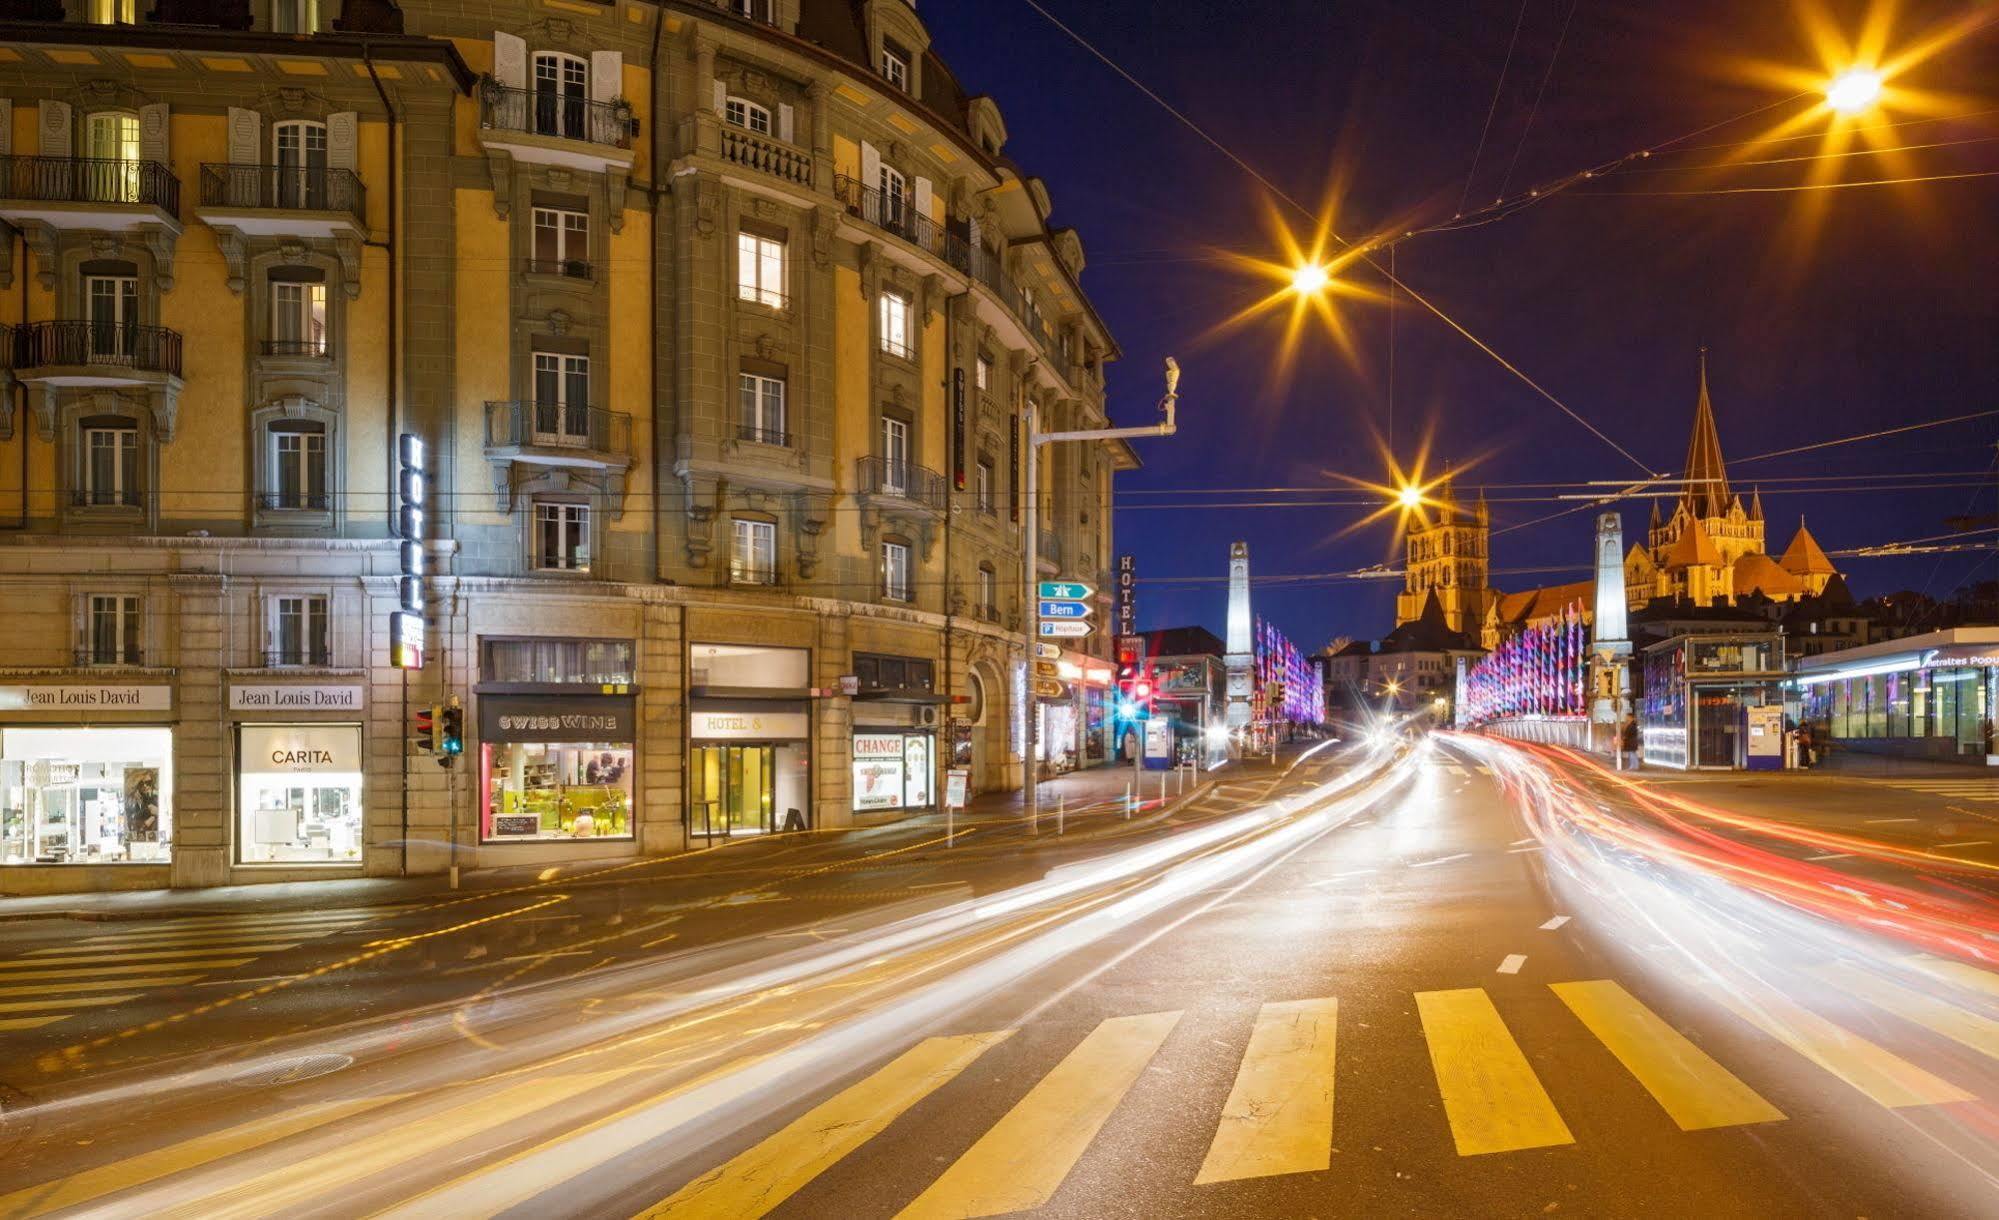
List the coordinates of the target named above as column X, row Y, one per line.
column 718, row 319
column 1445, row 561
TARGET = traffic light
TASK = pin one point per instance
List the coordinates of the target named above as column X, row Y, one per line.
column 423, row 732
column 451, row 743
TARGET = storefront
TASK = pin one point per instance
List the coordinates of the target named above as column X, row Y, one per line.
column 86, row 793
column 298, row 798
column 556, row 767
column 1928, row 696
column 1705, row 696
column 894, row 769
column 749, row 722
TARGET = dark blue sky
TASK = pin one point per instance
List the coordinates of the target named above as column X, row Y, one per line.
column 1886, row 317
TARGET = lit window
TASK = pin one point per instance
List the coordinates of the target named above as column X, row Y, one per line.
column 298, row 318
column 760, row 270
column 114, row 12
column 895, row 571
column 982, row 374
column 896, row 340
column 895, row 68
column 295, row 16
column 562, row 537
column 983, row 485
column 747, row 115
column 115, row 624
column 762, row 402
column 561, row 242
column 301, row 629
column 754, row 560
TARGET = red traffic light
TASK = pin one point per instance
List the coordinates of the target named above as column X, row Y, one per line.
column 1141, row 690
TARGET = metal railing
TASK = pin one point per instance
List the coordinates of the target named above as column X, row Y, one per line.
column 296, row 347
column 986, row 613
column 305, row 654
column 104, row 497
column 110, row 654
column 1048, row 548
column 766, row 155
column 90, row 180
column 557, row 425
column 567, row 268
column 897, row 214
column 763, row 436
column 153, row 349
column 760, row 577
column 291, row 188
column 544, row 113
column 296, row 501
column 769, row 298
column 902, row 481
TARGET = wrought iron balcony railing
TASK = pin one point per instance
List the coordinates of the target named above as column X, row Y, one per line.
column 286, row 188
column 109, row 653
column 104, row 497
column 765, row 155
column 296, row 347
column 897, row 214
column 567, row 268
column 296, row 501
column 153, row 349
column 763, row 436
column 902, row 481
column 556, row 425
column 302, row 654
column 90, row 180
column 545, row 113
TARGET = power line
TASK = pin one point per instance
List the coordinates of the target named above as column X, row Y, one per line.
column 1805, row 186
column 1498, row 87
column 1535, row 109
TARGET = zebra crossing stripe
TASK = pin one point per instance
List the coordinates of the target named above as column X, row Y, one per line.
column 1492, row 1099
column 1695, row 1091
column 1279, row 1116
column 1885, row 1077
column 1939, row 1016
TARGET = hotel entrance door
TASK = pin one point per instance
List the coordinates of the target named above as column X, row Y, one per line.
column 732, row 790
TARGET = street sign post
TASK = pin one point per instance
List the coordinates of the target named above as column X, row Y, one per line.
column 1066, row 590
column 1065, row 610
column 1046, row 669
column 1065, row 627
column 1047, row 688
column 1048, row 652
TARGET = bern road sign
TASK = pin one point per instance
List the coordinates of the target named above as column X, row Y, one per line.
column 1065, row 610
column 1066, row 590
column 1048, row 652
column 1061, row 627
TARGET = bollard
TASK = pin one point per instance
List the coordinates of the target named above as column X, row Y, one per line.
column 1127, row 802
column 1061, row 808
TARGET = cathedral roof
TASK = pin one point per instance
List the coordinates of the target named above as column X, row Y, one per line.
column 1804, row 556
column 1759, row 573
column 1693, row 548
column 1756, row 505
column 1706, row 473
column 1530, row 605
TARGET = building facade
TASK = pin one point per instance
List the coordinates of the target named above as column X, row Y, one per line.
column 718, row 321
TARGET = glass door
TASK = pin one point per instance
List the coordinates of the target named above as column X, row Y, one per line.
column 561, row 400
column 895, row 457
column 732, row 791
column 113, row 140
column 113, row 302
column 301, row 159
column 561, row 85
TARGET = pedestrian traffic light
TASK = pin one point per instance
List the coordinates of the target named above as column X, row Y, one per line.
column 451, row 743
column 423, row 732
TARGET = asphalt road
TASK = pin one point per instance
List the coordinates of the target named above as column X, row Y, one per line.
column 1453, row 979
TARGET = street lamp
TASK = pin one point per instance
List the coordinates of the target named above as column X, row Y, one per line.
column 1309, row 279
column 1410, row 497
column 1854, row 91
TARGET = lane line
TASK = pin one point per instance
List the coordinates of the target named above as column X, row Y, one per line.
column 1960, row 973
column 78, row 972
column 763, row 1177
column 1516, row 851
column 1886, row 821
column 1837, row 855
column 1492, row 1099
column 1695, row 1091
column 1971, row 843
column 1938, row 1016
column 77, row 1001
column 99, row 985
column 31, row 1022
column 1512, row 963
column 1554, row 923
column 148, row 955
column 1884, row 1077
column 1441, row 860
column 161, row 940
column 1022, row 1160
column 1279, row 1116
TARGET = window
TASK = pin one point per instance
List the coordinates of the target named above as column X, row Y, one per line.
column 895, row 456
column 988, row 603
column 561, row 243
column 298, row 318
column 112, row 142
column 895, row 325
column 895, row 67
column 114, row 12
column 982, row 374
column 300, row 794
column 113, row 302
column 895, row 571
column 87, row 795
column 879, row 671
column 298, row 467
column 746, row 114
column 561, row 94
column 1030, row 309
column 755, row 10
column 894, row 190
column 110, row 464
column 762, row 409
column 760, row 270
column 115, row 624
column 562, row 537
column 561, row 400
column 982, row 485
column 301, row 631
column 754, row 560
column 300, row 150
column 295, row 16
column 590, row 662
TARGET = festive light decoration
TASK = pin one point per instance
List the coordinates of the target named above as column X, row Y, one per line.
column 1543, row 671
column 1278, row 660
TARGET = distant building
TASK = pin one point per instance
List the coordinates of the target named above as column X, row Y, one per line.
column 1412, row 668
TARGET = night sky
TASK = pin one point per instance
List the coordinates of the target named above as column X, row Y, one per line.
column 1883, row 315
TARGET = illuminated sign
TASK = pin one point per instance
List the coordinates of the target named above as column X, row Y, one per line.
column 406, row 623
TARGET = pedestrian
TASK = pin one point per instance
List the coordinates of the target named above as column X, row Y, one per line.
column 1627, row 744
column 1805, row 744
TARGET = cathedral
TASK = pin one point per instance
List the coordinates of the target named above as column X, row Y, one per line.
column 1709, row 551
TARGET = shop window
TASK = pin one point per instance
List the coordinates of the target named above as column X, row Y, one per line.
column 301, row 630
column 561, row 537
column 75, row 795
column 748, row 666
column 115, row 630
column 297, row 479
column 896, row 338
column 895, row 571
column 741, row 112
column 760, row 269
column 588, row 662
column 878, row 672
column 298, row 314
column 110, row 465
column 753, row 559
column 538, row 790
column 892, row 770
column 299, row 794
column 762, row 409
column 561, row 243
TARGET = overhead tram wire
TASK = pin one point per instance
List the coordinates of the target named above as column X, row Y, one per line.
column 1534, row 110
column 1492, row 108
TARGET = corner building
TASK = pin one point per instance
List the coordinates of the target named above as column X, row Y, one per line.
column 719, row 321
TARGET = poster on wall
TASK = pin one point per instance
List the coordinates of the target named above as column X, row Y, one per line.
column 142, row 804
column 916, row 771
column 877, row 770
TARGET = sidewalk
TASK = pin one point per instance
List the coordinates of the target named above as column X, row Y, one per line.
column 1837, row 764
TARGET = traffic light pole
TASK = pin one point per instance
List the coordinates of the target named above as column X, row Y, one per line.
column 1036, row 438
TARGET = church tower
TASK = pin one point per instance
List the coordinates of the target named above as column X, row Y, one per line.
column 1705, row 498
column 1445, row 555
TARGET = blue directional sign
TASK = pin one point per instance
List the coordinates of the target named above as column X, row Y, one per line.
column 1065, row 610
column 1066, row 591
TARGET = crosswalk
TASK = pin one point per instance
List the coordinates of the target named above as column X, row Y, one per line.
column 44, row 986
column 1984, row 791
column 1278, row 1119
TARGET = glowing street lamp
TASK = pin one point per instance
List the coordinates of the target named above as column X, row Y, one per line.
column 1309, row 279
column 1410, row 497
column 1854, row 91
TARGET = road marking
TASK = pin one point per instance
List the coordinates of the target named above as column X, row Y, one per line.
column 1964, row 1028
column 1971, row 843
column 148, row 955
column 1886, row 1078
column 1886, row 821
column 1021, row 1161
column 76, row 1001
column 95, row 1183
column 177, row 939
column 1956, row 972
column 1554, row 923
column 51, row 989
column 73, row 972
column 1279, row 1116
column 765, row 1176
column 1837, row 855
column 1516, row 851
column 1441, row 860
column 1695, row 1091
column 29, row 1022
column 1512, row 963
column 1492, row 1099
column 174, row 927
column 1520, row 842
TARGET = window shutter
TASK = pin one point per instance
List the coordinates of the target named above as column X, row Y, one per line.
column 510, row 60
column 923, row 198
column 153, row 133
column 341, row 137
column 784, row 120
column 721, row 96
column 6, row 127
column 246, row 137
column 54, row 129
column 607, row 75
column 976, row 247
column 871, row 167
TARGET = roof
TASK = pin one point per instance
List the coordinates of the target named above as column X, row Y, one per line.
column 1693, row 548
column 1804, row 556
column 1706, row 474
column 1531, row 604
column 1761, row 573
column 1429, row 631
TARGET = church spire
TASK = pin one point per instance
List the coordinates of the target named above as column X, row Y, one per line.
column 1706, row 475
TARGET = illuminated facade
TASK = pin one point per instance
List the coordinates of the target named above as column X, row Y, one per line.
column 719, row 320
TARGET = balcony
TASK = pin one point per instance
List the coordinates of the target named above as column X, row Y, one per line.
column 555, row 129
column 596, row 445
column 283, row 201
column 766, row 155
column 106, row 653
column 897, row 215
column 88, row 193
column 84, row 353
column 763, row 436
column 297, row 656
column 561, row 268
column 903, row 481
column 307, row 349
column 295, row 502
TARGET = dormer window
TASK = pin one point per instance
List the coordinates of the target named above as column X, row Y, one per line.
column 895, row 66
column 747, row 115
column 114, row 12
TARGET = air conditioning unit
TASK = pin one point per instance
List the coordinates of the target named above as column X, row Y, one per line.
column 926, row 715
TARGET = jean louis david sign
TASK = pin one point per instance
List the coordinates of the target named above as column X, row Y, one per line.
column 295, row 698
column 88, row 697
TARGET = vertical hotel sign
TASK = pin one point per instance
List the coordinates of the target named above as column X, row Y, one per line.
column 406, row 625
column 1127, row 595
column 958, row 429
